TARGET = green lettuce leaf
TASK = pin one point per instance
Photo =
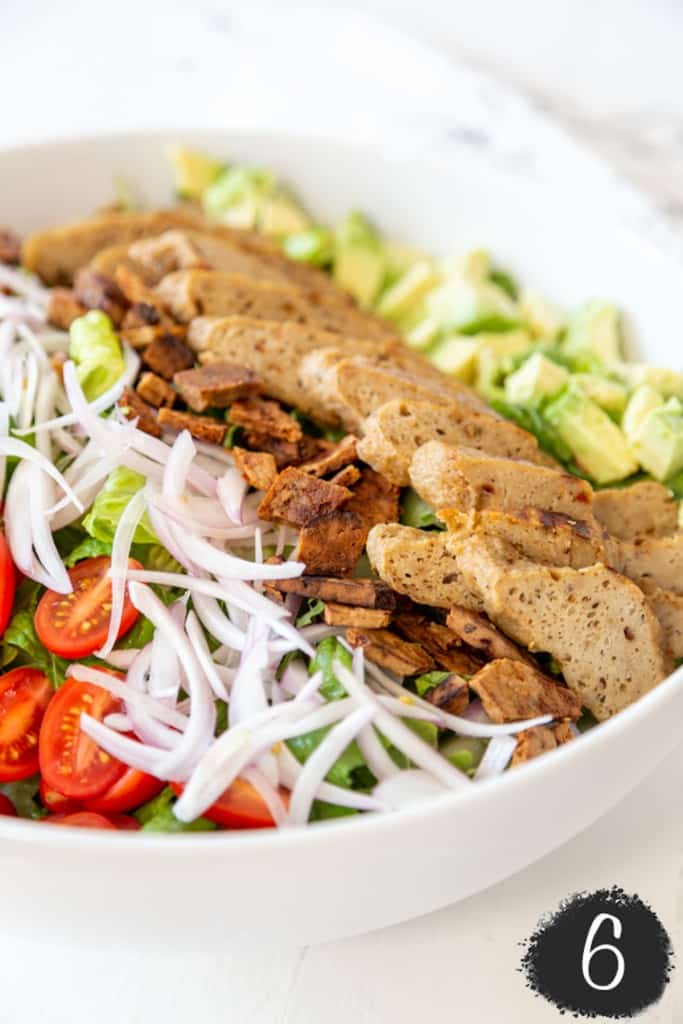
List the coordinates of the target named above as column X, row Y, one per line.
column 21, row 636
column 89, row 547
column 416, row 512
column 157, row 816
column 24, row 796
column 96, row 351
column 101, row 521
column 312, row 611
column 328, row 651
column 428, row 681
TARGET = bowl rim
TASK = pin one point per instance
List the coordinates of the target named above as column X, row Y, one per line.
column 366, row 826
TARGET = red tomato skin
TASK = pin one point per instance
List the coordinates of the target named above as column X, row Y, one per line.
column 8, row 583
column 7, row 808
column 60, row 738
column 240, row 806
column 80, row 819
column 56, row 802
column 124, row 822
column 24, row 697
column 80, row 643
column 132, row 789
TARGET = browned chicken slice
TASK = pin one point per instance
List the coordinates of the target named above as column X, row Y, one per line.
column 192, row 293
column 477, row 630
column 443, row 643
column 597, row 624
column 393, row 433
column 353, row 387
column 418, row 563
column 659, row 560
column 466, row 479
column 387, row 650
column 357, row 618
column 187, row 249
column 512, row 691
column 546, row 537
column 297, row 498
column 668, row 607
column 359, row 592
column 643, row 508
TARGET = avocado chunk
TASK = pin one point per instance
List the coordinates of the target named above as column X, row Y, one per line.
column 536, row 378
column 543, row 318
column 411, row 287
column 494, row 354
column 609, row 395
column 456, row 356
column 669, row 383
column 471, row 306
column 422, row 334
column 658, row 442
column 359, row 261
column 250, row 197
column 314, row 245
column 193, row 172
column 642, row 402
column 282, row 216
column 594, row 334
column 596, row 442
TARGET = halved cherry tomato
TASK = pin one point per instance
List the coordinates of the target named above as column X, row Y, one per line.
column 7, row 808
column 24, row 695
column 76, row 624
column 55, row 801
column 131, row 790
column 124, row 822
column 70, row 761
column 8, row 583
column 240, row 806
column 80, row 819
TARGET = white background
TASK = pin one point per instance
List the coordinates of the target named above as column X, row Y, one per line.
column 607, row 70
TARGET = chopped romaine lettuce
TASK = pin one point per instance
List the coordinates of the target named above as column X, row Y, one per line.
column 465, row 752
column 328, row 651
column 158, row 816
column 315, row 245
column 312, row 611
column 426, row 682
column 21, row 636
column 96, row 351
column 88, row 547
column 416, row 512
column 24, row 796
column 101, row 521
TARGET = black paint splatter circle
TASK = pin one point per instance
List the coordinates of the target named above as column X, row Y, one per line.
column 553, row 966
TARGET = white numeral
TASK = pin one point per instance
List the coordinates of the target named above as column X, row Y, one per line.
column 589, row 952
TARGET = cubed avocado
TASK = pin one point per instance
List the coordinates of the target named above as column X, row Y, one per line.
column 642, row 402
column 594, row 333
column 359, row 260
column 237, row 196
column 659, row 440
column 543, row 318
column 537, row 377
column 314, row 245
column 669, row 383
column 456, row 357
column 476, row 265
column 399, row 258
column 493, row 354
column 596, row 442
column 193, row 172
column 282, row 216
column 408, row 290
column 422, row 334
column 609, row 394
column 468, row 306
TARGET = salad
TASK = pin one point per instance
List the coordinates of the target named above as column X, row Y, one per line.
column 301, row 523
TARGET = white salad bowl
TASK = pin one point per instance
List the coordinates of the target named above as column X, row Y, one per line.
column 333, row 879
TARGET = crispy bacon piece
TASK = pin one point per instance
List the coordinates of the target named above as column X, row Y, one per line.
column 63, row 308
column 97, row 291
column 539, row 740
column 479, row 632
column 10, row 246
column 336, row 457
column 452, row 694
column 259, row 469
column 444, row 646
column 346, row 477
column 358, row 618
column 155, row 390
column 167, row 355
column 216, row 385
column 204, row 428
column 511, row 690
column 298, row 498
column 265, row 417
column 133, row 407
column 387, row 650
column 360, row 593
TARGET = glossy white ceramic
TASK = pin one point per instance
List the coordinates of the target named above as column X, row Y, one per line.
column 319, row 883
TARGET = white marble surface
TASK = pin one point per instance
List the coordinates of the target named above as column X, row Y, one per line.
column 607, row 70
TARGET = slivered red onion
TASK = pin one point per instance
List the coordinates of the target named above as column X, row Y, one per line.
column 23, row 451
column 123, row 659
column 408, row 788
column 295, row 677
column 377, row 758
column 217, row 623
column 132, row 753
column 181, row 514
column 290, row 770
column 496, row 757
column 201, row 649
column 132, row 697
column 161, row 527
column 201, row 723
column 120, row 553
column 321, row 760
column 248, row 695
column 178, row 466
column 220, row 563
column 267, row 792
column 147, row 727
column 4, row 430
column 164, row 670
column 419, row 752
column 118, row 721
column 43, row 543
column 218, row 768
column 231, row 489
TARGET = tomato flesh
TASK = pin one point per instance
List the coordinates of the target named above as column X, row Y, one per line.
column 8, row 583
column 132, row 789
column 240, row 806
column 70, row 762
column 24, row 695
column 80, row 819
column 56, row 802
column 76, row 624
column 7, row 808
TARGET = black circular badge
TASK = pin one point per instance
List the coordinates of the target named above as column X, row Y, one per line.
column 602, row 953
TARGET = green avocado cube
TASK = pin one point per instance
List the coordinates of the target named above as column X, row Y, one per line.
column 609, row 394
column 669, row 383
column 193, row 172
column 594, row 333
column 543, row 318
column 359, row 260
column 537, row 377
column 596, row 442
column 659, row 440
column 456, row 357
column 641, row 403
column 411, row 287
